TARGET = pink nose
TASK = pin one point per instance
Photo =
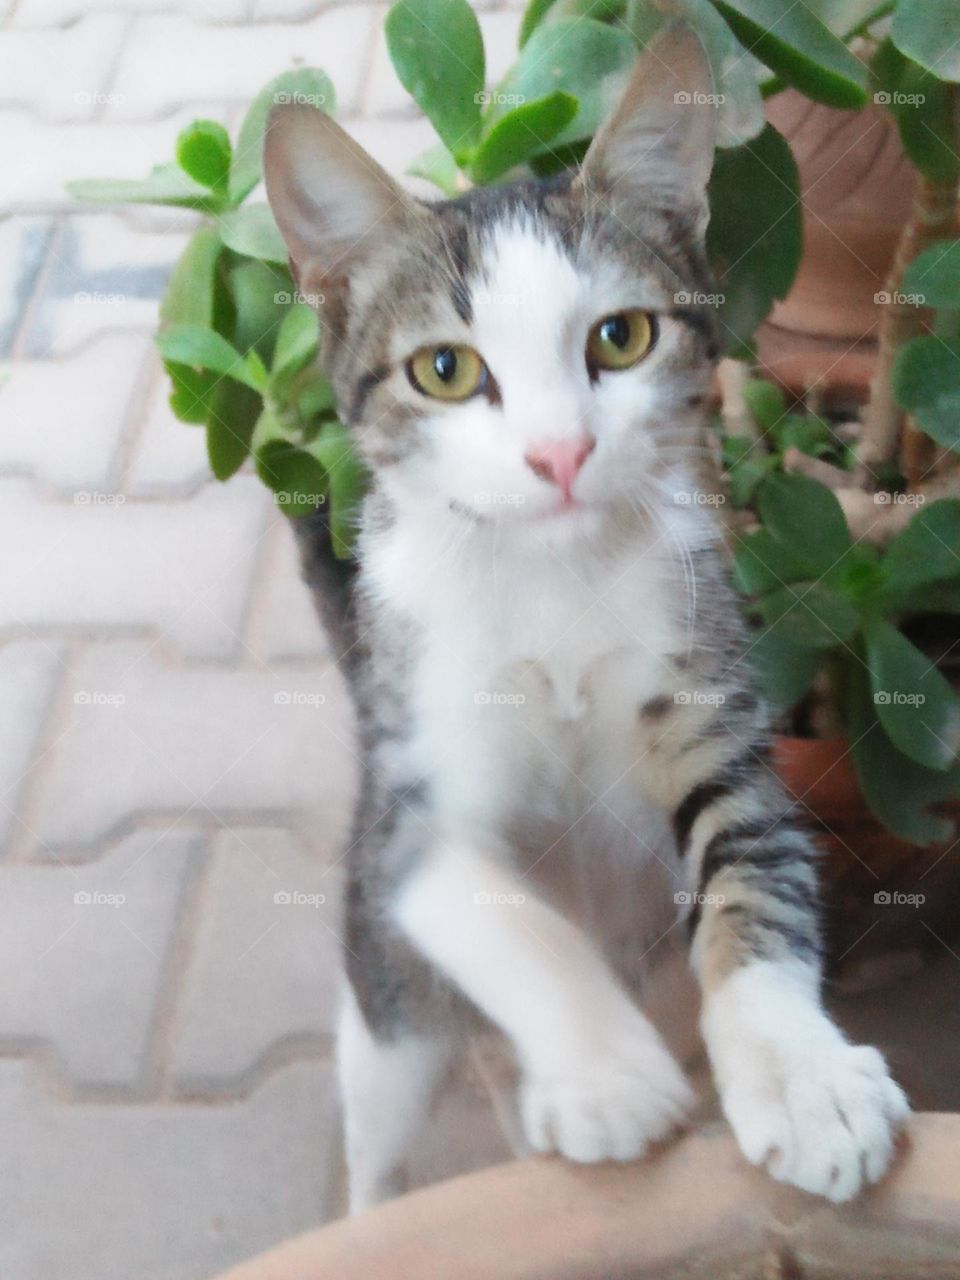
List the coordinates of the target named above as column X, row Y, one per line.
column 559, row 461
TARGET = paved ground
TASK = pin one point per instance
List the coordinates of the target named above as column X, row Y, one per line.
column 175, row 763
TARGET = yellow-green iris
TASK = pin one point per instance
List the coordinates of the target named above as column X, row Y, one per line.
column 446, row 373
column 620, row 340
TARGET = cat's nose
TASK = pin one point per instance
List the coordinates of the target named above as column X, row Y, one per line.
column 559, row 461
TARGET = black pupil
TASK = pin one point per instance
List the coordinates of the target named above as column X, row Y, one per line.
column 445, row 363
column 616, row 329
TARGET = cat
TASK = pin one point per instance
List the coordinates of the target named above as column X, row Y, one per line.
column 548, row 661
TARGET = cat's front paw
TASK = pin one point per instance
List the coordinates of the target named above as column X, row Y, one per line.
column 605, row 1103
column 809, row 1107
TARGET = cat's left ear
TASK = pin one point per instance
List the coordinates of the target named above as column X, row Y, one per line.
column 659, row 142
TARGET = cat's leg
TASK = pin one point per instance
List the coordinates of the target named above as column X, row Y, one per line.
column 387, row 1084
column 812, row 1108
column 598, row 1081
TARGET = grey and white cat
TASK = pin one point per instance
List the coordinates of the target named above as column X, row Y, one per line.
column 548, row 661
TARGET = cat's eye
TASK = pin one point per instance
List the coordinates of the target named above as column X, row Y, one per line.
column 447, row 373
column 618, row 341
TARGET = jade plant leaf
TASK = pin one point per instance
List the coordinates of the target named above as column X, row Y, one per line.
column 762, row 563
column 806, row 518
column 437, row 51
column 926, row 380
column 347, row 480
column 233, row 411
column 755, row 236
column 189, row 295
column 810, row 614
column 796, row 45
column 923, row 107
column 298, row 340
column 203, row 152
column 205, row 349
column 919, row 711
column 899, row 791
column 926, row 551
column 928, row 31
column 306, row 86
column 575, row 55
column 165, row 184
column 523, row 132
column 934, row 275
column 438, row 166
column 784, row 670
column 253, row 232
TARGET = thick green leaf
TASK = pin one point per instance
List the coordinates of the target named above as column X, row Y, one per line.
column 926, row 380
column 298, row 340
column 234, row 409
column 297, row 479
column 796, row 45
column 204, row 349
column 307, row 86
column 934, row 275
column 203, row 151
column 926, row 551
column 438, row 166
column 785, row 671
column 766, row 402
column 810, row 614
column 916, row 706
column 928, row 31
column 253, row 232
column 437, row 52
column 348, row 481
column 191, row 395
column 521, row 133
column 165, row 184
column 806, row 518
column 189, row 295
column 898, row 791
column 923, row 108
column 262, row 293
column 762, row 564
column 575, row 55
column 755, row 236
column 533, row 15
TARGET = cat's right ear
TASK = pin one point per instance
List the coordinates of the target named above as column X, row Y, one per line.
column 331, row 200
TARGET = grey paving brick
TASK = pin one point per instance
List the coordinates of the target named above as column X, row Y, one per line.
column 29, row 671
column 83, row 952
column 160, row 1192
column 23, row 246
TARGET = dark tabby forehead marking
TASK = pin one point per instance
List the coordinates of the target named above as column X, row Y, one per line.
column 657, row 707
column 365, row 384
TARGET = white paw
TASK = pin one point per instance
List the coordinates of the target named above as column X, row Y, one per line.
column 804, row 1104
column 607, row 1104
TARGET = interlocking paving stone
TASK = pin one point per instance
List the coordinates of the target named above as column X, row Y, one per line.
column 233, row 63
column 181, row 570
column 265, row 965
column 23, row 246
column 83, row 951
column 102, row 275
column 29, row 671
column 196, row 739
column 290, row 627
column 60, row 13
column 61, row 75
column 160, row 1192
column 64, row 421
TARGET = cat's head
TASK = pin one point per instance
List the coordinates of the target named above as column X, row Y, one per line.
column 533, row 354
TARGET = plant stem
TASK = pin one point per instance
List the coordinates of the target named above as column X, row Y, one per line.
column 932, row 217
